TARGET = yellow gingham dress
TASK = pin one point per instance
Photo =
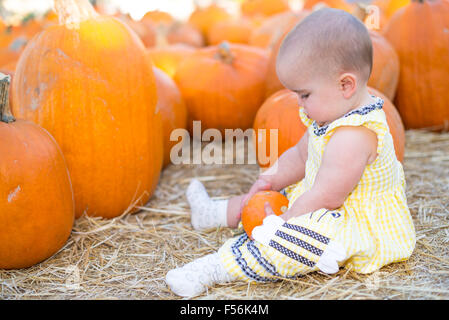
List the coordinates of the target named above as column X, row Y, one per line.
column 373, row 225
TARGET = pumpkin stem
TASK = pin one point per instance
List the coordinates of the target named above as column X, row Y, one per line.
column 72, row 12
column 5, row 110
column 224, row 52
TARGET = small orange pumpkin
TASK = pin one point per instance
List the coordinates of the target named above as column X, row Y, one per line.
column 36, row 197
column 253, row 212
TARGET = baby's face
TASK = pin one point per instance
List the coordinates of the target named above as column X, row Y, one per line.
column 319, row 94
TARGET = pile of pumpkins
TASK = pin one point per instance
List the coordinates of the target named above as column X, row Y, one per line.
column 85, row 121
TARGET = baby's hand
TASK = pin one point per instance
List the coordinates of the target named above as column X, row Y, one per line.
column 267, row 230
column 259, row 185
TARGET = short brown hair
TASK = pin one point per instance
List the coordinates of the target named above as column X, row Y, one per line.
column 335, row 38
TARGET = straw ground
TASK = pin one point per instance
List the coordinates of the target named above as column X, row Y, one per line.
column 128, row 257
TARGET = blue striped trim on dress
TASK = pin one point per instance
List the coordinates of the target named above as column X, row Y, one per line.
column 307, row 232
column 242, row 262
column 299, row 243
column 378, row 104
column 292, row 255
column 264, row 263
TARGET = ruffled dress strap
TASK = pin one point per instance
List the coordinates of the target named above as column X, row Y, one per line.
column 305, row 118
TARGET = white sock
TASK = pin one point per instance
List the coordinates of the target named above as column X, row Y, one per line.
column 193, row 278
column 206, row 213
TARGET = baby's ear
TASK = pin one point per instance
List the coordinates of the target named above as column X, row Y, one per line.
column 348, row 85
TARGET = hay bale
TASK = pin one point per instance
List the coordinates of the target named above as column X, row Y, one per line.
column 128, row 257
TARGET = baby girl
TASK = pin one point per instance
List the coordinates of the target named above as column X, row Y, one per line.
column 345, row 186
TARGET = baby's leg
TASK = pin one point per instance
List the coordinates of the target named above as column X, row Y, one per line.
column 233, row 213
column 208, row 213
column 193, row 278
column 302, row 245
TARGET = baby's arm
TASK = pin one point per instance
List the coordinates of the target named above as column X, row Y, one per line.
column 288, row 169
column 347, row 153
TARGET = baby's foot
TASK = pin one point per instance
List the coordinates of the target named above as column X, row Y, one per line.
column 193, row 278
column 206, row 213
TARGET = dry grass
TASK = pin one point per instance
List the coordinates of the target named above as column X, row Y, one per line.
column 128, row 257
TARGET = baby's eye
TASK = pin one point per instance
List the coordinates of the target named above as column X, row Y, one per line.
column 305, row 96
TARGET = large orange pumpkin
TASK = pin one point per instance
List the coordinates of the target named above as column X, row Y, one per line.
column 253, row 212
column 385, row 73
column 36, row 197
column 422, row 96
column 281, row 112
column 223, row 86
column 172, row 108
column 94, row 91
